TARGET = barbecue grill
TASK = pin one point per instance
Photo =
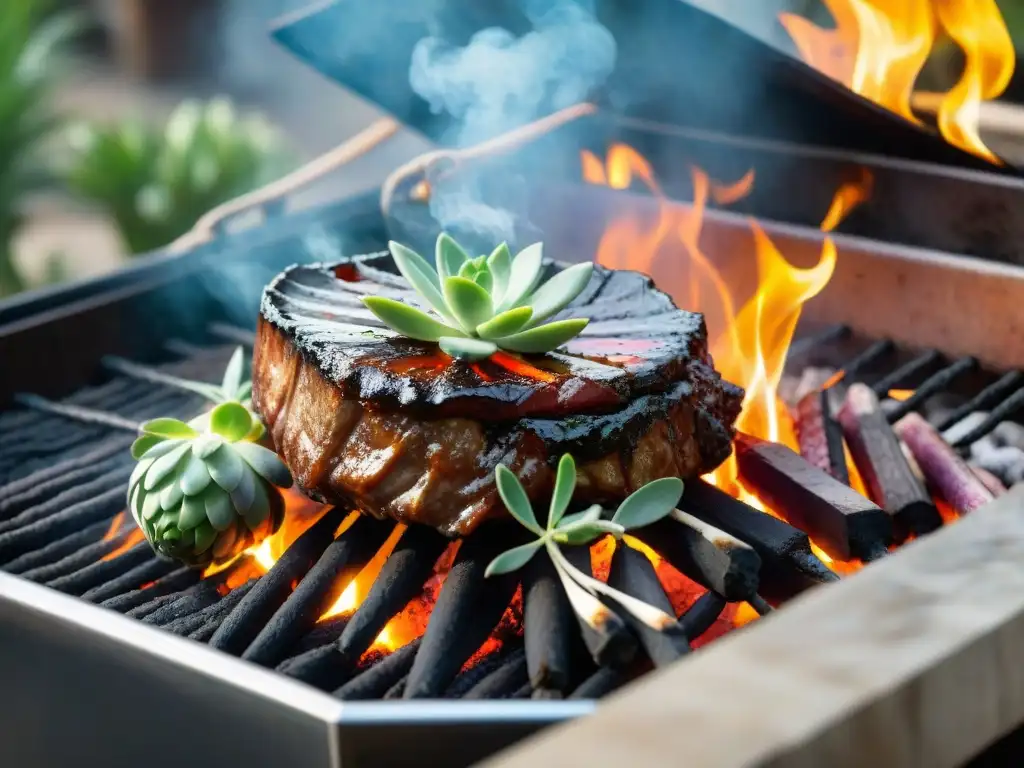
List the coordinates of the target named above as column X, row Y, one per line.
column 68, row 567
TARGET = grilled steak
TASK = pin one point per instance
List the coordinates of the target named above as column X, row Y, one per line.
column 397, row 428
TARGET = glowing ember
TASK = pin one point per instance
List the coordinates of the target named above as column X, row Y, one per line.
column 900, row 394
column 879, row 47
column 135, row 536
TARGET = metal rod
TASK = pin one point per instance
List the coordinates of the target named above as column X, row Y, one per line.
column 994, row 393
column 29, row 485
column 908, row 372
column 86, row 415
column 144, row 573
column 930, row 386
column 233, row 333
column 173, row 583
column 57, row 550
column 1000, row 413
column 115, row 478
column 876, row 351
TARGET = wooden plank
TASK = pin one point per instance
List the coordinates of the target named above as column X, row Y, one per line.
column 918, row 660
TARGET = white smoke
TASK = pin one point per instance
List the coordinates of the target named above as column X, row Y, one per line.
column 499, row 81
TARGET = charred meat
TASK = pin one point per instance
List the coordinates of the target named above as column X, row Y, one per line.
column 398, row 429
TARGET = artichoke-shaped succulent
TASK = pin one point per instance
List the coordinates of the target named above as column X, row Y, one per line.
column 204, row 491
column 483, row 304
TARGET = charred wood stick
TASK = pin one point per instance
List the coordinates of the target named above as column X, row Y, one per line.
column 396, row 691
column 400, row 579
column 140, row 612
column 602, row 682
column 220, row 611
column 81, row 581
column 468, row 608
column 943, row 468
column 254, row 611
column 632, row 573
column 890, row 480
column 907, row 372
column 760, row 605
column 841, row 521
column 12, row 507
column 61, row 524
column 174, row 582
column 931, row 386
column 190, row 603
column 323, row 633
column 994, row 484
column 709, row 556
column 57, row 550
column 551, row 636
column 991, row 395
column 320, row 587
column 788, row 565
column 73, row 495
column 76, row 561
column 374, row 682
column 324, row 667
column 704, row 612
column 35, row 485
column 607, row 637
column 504, row 682
column 145, row 573
column 214, row 607
column 819, row 435
column 469, row 678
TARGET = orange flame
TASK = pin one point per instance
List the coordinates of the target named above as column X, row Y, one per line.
column 135, row 536
column 879, row 47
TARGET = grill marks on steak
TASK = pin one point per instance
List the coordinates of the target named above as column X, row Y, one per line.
column 398, row 429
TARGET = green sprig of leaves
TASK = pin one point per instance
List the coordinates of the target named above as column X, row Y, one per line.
column 645, row 506
column 483, row 304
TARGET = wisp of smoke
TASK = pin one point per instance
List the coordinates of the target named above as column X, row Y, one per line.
column 499, row 81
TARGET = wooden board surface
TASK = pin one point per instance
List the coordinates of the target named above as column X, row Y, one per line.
column 916, row 661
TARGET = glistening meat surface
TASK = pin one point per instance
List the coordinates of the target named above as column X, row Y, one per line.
column 398, row 429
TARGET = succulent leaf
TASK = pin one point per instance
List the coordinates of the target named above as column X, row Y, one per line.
column 193, row 512
column 407, row 320
column 195, row 477
column 515, row 498
column 233, row 373
column 565, row 487
column 467, row 349
column 266, row 463
column 469, row 303
column 163, row 466
column 543, row 338
column 143, row 444
column 650, row 503
column 499, row 264
column 450, row 257
column 420, row 276
column 559, row 291
column 589, row 514
column 169, row 428
column 523, row 276
column 231, row 421
column 505, row 324
column 513, row 559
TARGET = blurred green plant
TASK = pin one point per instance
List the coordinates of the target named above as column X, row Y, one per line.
column 32, row 32
column 157, row 182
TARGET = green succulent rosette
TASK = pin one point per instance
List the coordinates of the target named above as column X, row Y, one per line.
column 484, row 304
column 205, row 491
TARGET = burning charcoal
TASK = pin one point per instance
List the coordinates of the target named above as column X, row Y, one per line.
column 374, row 682
column 82, row 558
column 632, row 573
column 965, row 426
column 467, row 610
column 200, row 612
column 400, row 579
column 504, row 682
column 172, row 583
column 396, row 691
column 324, row 632
column 788, row 566
column 190, row 603
column 945, row 471
column 319, row 588
column 602, row 682
column 990, row 481
column 707, row 555
column 321, row 667
column 702, row 614
column 889, row 478
column 96, row 574
column 63, row 523
column 215, row 614
column 146, row 573
column 261, row 603
column 1008, row 433
column 56, row 551
column 811, row 380
column 819, row 435
column 481, row 670
column 840, row 520
column 606, row 636
column 553, row 642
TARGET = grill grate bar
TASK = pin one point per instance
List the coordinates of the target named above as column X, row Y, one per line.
column 232, row 333
column 908, row 372
column 931, row 386
column 991, row 395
